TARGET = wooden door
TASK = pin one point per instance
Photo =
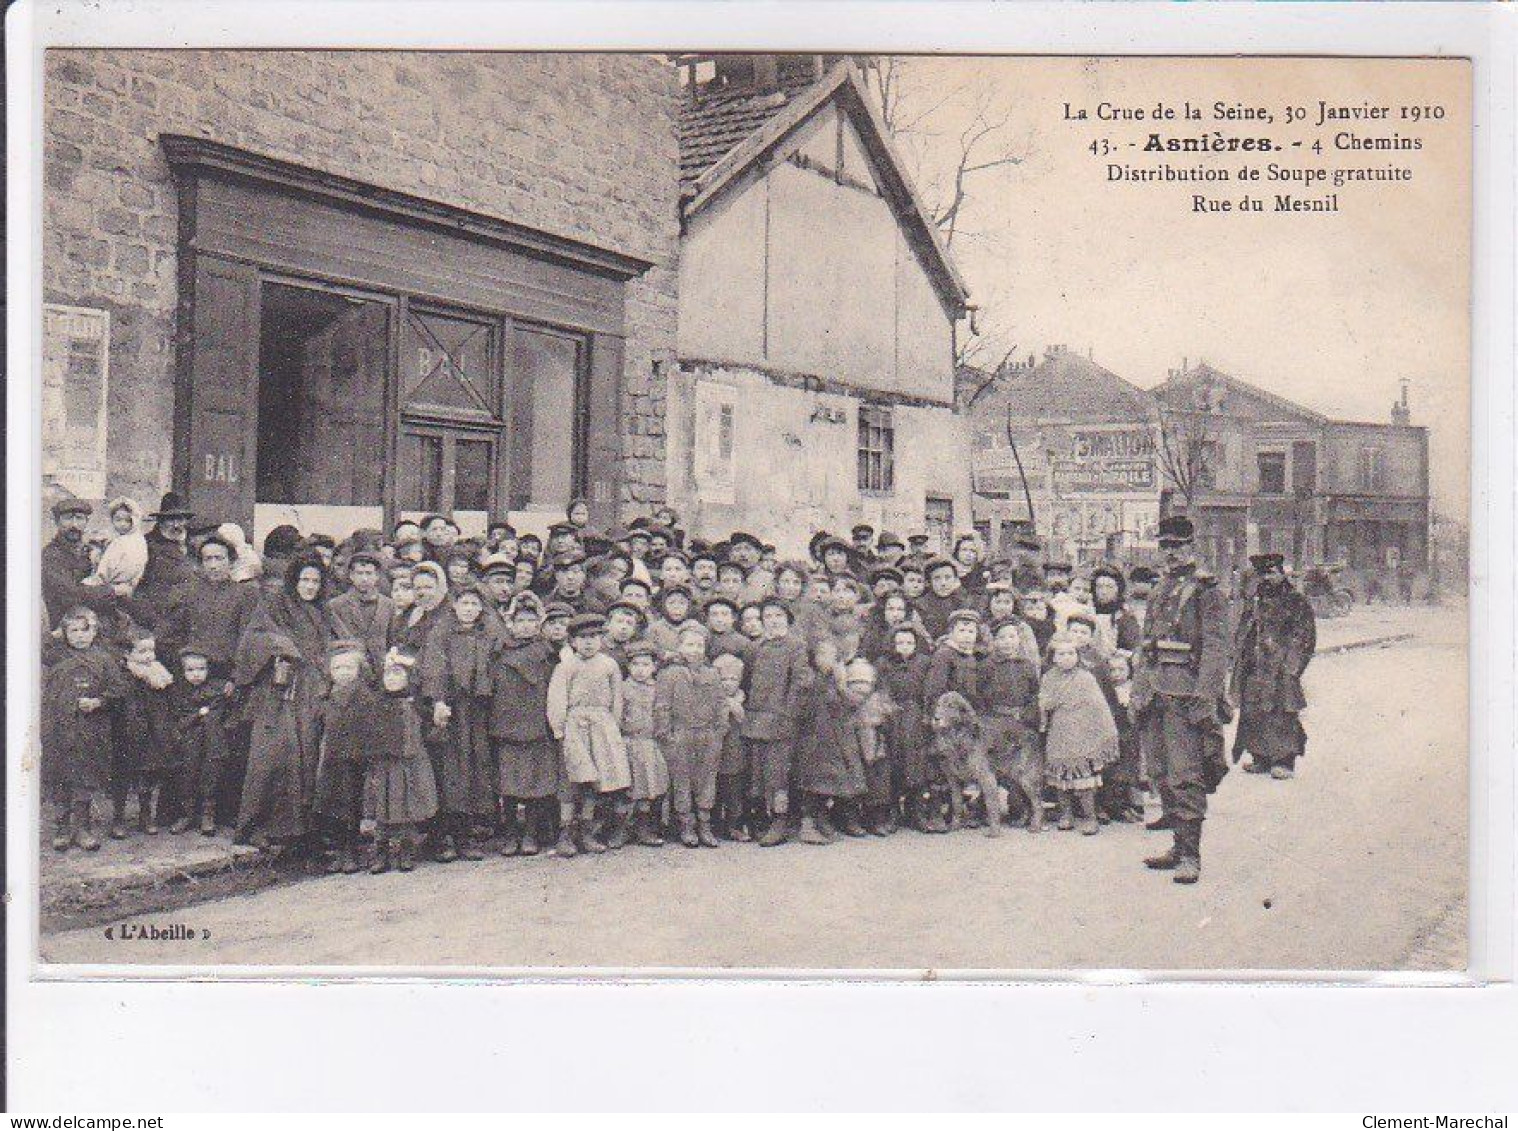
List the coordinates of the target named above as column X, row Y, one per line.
column 221, row 390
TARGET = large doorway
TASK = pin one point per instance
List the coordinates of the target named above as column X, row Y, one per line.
column 323, row 356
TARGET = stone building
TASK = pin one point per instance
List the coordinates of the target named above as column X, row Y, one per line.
column 1282, row 478
column 338, row 287
column 1074, row 442
column 817, row 312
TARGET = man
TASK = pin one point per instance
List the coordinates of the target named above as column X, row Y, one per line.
column 863, row 535
column 1180, row 674
column 210, row 610
column 66, row 563
column 569, row 580
column 889, row 549
column 168, row 565
column 1141, row 582
column 363, row 612
column 438, row 536
column 1275, row 641
column 745, row 550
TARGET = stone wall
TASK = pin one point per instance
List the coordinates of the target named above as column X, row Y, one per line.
column 579, row 145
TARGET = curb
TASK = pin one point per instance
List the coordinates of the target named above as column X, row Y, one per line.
column 71, row 900
column 1372, row 642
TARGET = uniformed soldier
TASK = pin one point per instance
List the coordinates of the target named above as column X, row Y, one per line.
column 1179, row 684
column 1275, row 640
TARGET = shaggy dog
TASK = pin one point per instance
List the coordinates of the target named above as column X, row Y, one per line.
column 960, row 746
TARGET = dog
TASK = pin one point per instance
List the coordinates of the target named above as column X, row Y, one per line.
column 960, row 744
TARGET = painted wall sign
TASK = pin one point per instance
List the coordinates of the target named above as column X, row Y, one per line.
column 75, row 376
column 716, row 420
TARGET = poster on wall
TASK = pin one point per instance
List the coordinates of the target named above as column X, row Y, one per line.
column 715, row 415
column 75, row 371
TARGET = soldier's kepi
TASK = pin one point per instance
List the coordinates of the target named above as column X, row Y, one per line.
column 1179, row 696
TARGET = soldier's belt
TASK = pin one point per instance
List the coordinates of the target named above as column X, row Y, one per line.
column 1171, row 651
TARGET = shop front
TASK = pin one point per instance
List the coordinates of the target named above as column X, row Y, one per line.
column 348, row 355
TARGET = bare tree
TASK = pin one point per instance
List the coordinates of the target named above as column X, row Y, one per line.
column 954, row 135
column 1187, row 445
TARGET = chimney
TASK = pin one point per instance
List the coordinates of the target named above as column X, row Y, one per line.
column 1401, row 415
column 766, row 72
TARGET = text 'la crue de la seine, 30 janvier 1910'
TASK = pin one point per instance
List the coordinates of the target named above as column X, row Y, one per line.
column 1310, row 150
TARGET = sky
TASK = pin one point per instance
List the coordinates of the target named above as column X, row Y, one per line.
column 1329, row 310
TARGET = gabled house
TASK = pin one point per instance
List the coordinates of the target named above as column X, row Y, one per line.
column 1074, row 443
column 814, row 383
column 1281, row 478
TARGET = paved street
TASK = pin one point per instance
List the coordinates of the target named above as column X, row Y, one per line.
column 1358, row 863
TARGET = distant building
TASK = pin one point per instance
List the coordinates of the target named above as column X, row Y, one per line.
column 1075, row 439
column 1282, row 478
column 814, row 386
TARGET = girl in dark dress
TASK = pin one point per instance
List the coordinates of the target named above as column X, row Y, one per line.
column 456, row 683
column 903, row 673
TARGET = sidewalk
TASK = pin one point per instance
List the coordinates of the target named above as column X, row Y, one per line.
column 1366, row 626
column 141, row 873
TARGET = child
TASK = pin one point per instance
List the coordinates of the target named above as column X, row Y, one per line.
column 956, row 665
column 78, row 695
column 456, row 681
column 399, row 791
column 690, row 719
column 732, row 767
column 650, row 772
column 751, row 623
column 200, row 725
column 1122, row 797
column 1034, row 607
column 346, row 716
column 778, row 678
column 1009, row 683
column 903, row 673
column 125, row 559
column 530, row 765
column 721, row 621
column 664, row 629
column 145, row 751
column 584, row 706
column 1081, row 737
column 555, row 627
column 830, row 753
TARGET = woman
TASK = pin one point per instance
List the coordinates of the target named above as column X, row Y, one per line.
column 793, row 587
column 1116, row 626
column 430, row 590
column 281, row 672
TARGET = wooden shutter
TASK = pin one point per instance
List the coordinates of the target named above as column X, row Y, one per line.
column 603, row 432
column 221, row 387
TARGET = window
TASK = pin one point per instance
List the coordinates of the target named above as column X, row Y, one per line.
column 1372, row 470
column 938, row 517
column 1210, row 463
column 1272, row 467
column 548, row 417
column 877, row 442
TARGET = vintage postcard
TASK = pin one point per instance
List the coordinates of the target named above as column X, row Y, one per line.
column 709, row 512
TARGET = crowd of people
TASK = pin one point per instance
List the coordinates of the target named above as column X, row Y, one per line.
column 424, row 694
